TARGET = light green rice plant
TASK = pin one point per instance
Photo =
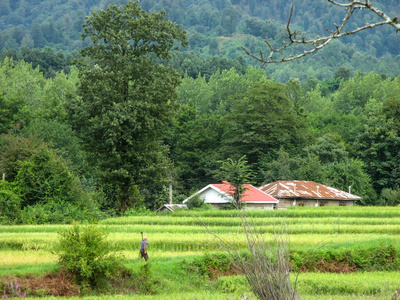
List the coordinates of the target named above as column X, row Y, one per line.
column 361, row 284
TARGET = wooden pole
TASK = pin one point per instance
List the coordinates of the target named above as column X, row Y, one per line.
column 170, row 189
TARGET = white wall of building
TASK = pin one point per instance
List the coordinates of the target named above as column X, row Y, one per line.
column 212, row 196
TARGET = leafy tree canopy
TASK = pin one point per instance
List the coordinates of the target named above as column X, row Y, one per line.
column 126, row 96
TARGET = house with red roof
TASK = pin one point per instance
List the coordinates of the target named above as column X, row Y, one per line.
column 307, row 193
column 220, row 195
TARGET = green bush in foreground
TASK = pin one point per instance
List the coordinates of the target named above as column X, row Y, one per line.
column 85, row 254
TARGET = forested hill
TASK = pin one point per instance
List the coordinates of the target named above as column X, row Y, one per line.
column 219, row 28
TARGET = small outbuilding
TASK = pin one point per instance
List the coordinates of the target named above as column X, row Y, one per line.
column 307, row 193
column 220, row 196
column 171, row 207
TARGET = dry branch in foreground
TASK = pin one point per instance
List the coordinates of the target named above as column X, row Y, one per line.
column 295, row 38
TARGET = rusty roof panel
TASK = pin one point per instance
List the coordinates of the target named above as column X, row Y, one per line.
column 306, row 190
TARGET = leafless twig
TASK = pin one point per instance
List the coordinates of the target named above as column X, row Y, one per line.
column 265, row 264
column 396, row 294
column 295, row 38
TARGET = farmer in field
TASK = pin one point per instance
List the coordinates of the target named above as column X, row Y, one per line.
column 143, row 248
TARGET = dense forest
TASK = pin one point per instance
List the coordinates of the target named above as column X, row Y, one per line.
column 95, row 126
column 217, row 29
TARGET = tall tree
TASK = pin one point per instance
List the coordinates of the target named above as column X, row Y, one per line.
column 261, row 121
column 377, row 145
column 127, row 96
column 230, row 19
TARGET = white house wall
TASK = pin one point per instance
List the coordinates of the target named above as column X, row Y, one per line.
column 212, row 196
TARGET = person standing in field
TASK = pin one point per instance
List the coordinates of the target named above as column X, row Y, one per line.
column 143, row 248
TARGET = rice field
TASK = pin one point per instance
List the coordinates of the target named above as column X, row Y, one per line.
column 182, row 235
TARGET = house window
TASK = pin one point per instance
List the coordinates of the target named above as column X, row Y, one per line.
column 323, row 203
column 301, row 203
column 342, row 203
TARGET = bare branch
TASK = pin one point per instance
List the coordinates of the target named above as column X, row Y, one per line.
column 396, row 294
column 295, row 38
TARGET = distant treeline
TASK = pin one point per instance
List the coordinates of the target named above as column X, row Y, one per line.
column 217, row 28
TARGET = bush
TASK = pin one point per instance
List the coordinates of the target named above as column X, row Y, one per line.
column 146, row 284
column 209, row 265
column 10, row 204
column 84, row 253
column 382, row 257
column 59, row 213
column 45, row 176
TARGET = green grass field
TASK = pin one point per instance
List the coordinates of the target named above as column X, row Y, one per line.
column 182, row 236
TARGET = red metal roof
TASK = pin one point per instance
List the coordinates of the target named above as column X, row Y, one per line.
column 305, row 190
column 250, row 194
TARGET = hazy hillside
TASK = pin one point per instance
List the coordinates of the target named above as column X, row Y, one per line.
column 218, row 28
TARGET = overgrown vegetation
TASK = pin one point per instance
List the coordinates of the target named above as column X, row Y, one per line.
column 84, row 252
column 211, row 265
column 382, row 257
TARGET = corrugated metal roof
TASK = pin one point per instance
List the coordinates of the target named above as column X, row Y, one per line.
column 305, row 190
column 250, row 194
column 171, row 207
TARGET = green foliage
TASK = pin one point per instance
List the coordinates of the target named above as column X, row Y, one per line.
column 127, row 91
column 42, row 181
column 147, row 283
column 29, row 96
column 39, row 25
column 390, row 197
column 141, row 211
column 15, row 148
column 236, row 173
column 44, row 177
column 391, row 109
column 84, row 252
column 10, row 204
column 260, row 122
column 60, row 136
column 233, row 284
column 383, row 257
column 61, row 212
column 282, row 168
column 377, row 144
column 194, row 147
column 351, row 173
column 355, row 93
column 195, row 202
column 128, row 97
column 210, row 265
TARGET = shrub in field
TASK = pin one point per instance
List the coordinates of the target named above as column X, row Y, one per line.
column 84, row 253
column 383, row 257
column 233, row 284
column 210, row 265
column 146, row 283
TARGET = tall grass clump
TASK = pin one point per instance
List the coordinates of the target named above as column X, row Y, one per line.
column 264, row 263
